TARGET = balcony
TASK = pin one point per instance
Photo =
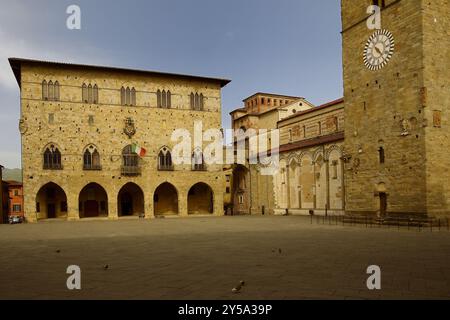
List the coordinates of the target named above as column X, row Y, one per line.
column 166, row 168
column 199, row 167
column 53, row 166
column 130, row 171
column 92, row 167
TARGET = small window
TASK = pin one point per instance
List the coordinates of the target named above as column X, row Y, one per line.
column 228, row 190
column 91, row 120
column 381, row 153
column 51, row 118
column 17, row 208
column 16, row 193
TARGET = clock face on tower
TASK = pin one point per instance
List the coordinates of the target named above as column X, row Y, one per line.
column 379, row 50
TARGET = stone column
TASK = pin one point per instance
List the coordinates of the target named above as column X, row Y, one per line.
column 183, row 205
column 149, row 207
column 218, row 203
column 73, row 212
column 288, row 187
column 113, row 210
column 327, row 163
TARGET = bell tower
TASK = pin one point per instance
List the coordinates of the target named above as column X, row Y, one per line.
column 397, row 101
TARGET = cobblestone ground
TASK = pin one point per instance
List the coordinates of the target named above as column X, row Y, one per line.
column 204, row 258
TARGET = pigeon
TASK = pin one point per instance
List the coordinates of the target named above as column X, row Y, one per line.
column 58, row 251
column 279, row 251
column 239, row 287
column 106, row 267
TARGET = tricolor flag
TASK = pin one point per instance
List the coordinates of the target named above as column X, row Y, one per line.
column 141, row 152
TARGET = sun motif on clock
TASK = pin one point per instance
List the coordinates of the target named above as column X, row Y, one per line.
column 379, row 50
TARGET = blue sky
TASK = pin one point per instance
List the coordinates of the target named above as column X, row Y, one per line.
column 290, row 47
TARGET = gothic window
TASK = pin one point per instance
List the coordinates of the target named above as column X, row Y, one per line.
column 91, row 159
column 192, row 101
column 128, row 96
column 51, row 90
column 133, row 97
column 165, row 160
column 56, row 91
column 198, row 163
column 197, row 101
column 169, row 100
column 52, row 158
column 95, row 94
column 84, row 90
column 44, row 90
column 164, row 99
column 122, row 96
column 89, row 93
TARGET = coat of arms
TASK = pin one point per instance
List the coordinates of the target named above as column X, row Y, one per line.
column 130, row 129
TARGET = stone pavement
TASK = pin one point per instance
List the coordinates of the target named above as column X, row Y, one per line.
column 204, row 258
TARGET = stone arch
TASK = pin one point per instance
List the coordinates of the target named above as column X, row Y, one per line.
column 200, row 199
column 51, row 202
column 317, row 153
column 165, row 200
column 130, row 201
column 93, row 201
column 331, row 149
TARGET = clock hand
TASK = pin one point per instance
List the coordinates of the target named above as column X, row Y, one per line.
column 378, row 50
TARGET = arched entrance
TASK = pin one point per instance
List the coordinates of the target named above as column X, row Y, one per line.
column 165, row 200
column 93, row 201
column 200, row 199
column 51, row 202
column 241, row 190
column 130, row 201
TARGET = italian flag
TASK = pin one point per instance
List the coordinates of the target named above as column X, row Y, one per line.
column 141, row 152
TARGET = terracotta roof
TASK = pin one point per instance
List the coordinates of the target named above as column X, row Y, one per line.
column 16, row 63
column 323, row 106
column 272, row 95
column 238, row 110
column 312, row 142
column 13, row 183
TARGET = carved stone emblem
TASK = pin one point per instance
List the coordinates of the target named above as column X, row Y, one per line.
column 406, row 126
column 23, row 128
column 129, row 129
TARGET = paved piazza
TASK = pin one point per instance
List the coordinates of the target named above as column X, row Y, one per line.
column 204, row 258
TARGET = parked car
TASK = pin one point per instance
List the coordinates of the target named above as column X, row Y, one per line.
column 15, row 219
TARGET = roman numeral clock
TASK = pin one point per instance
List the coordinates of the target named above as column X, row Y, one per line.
column 379, row 50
